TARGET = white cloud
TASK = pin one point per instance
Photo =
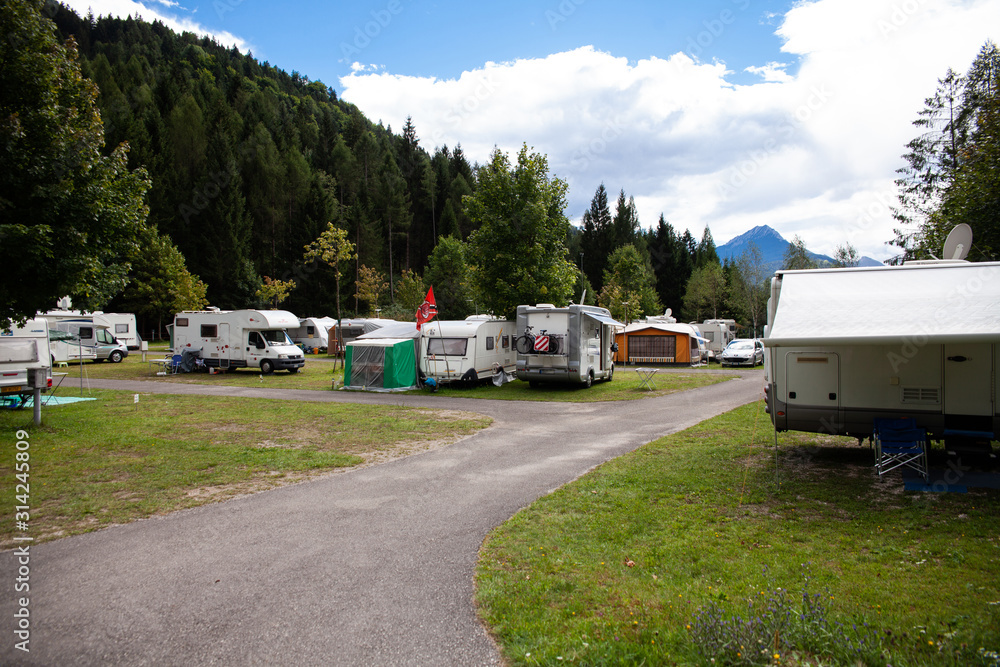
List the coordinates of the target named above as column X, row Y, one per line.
column 812, row 153
column 126, row 8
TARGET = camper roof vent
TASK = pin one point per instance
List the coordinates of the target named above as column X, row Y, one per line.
column 544, row 305
column 213, row 309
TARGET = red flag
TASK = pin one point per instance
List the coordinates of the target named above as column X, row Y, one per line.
column 428, row 309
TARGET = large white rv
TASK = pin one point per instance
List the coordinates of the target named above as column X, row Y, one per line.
column 846, row 346
column 570, row 344
column 472, row 349
column 232, row 339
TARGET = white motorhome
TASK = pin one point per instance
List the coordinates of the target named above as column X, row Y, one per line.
column 25, row 360
column 570, row 344
column 230, row 339
column 717, row 334
column 476, row 348
column 846, row 346
column 124, row 328
column 91, row 331
column 313, row 332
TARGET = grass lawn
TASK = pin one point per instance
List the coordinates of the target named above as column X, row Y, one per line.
column 108, row 461
column 318, row 374
column 701, row 549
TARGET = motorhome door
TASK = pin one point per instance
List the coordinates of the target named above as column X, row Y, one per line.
column 968, row 370
column 225, row 352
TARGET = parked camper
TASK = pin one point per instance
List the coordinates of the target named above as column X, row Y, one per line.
column 312, row 332
column 25, row 360
column 655, row 341
column 123, row 327
column 846, row 346
column 718, row 334
column 93, row 331
column 571, row 344
column 239, row 339
column 472, row 349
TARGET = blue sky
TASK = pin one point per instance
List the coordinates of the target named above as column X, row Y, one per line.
column 443, row 39
column 724, row 114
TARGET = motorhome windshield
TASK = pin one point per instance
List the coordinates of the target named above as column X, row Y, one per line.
column 449, row 347
column 277, row 336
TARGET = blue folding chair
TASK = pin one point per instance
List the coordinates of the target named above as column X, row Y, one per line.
column 900, row 443
column 175, row 364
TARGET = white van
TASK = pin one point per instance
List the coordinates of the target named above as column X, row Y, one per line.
column 93, row 332
column 230, row 339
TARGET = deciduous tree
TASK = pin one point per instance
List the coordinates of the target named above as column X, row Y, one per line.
column 519, row 250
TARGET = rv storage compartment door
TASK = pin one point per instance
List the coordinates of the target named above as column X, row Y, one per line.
column 968, row 370
column 813, row 379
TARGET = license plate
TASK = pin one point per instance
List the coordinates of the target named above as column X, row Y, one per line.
column 16, row 389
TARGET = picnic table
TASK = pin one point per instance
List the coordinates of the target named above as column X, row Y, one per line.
column 646, row 377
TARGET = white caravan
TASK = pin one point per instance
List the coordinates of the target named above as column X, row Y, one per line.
column 570, row 344
column 231, row 339
column 846, row 346
column 124, row 328
column 313, row 332
column 476, row 348
column 717, row 334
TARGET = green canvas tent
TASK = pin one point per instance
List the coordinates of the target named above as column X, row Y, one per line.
column 380, row 364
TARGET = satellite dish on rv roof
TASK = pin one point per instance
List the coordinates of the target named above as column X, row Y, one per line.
column 958, row 242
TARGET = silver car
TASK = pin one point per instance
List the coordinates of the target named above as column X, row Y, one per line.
column 743, row 352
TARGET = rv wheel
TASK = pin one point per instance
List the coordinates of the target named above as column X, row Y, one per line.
column 266, row 366
column 611, row 373
column 115, row 356
column 590, row 380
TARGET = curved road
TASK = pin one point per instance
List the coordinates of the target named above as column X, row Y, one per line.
column 369, row 567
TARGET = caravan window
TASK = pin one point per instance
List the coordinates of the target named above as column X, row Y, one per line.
column 209, row 330
column 505, row 342
column 86, row 332
column 121, row 328
column 489, row 343
column 181, row 322
column 310, row 330
column 449, row 347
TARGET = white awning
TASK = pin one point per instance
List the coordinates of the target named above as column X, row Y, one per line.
column 929, row 303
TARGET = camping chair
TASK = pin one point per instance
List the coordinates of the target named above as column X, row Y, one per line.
column 899, row 443
column 175, row 364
